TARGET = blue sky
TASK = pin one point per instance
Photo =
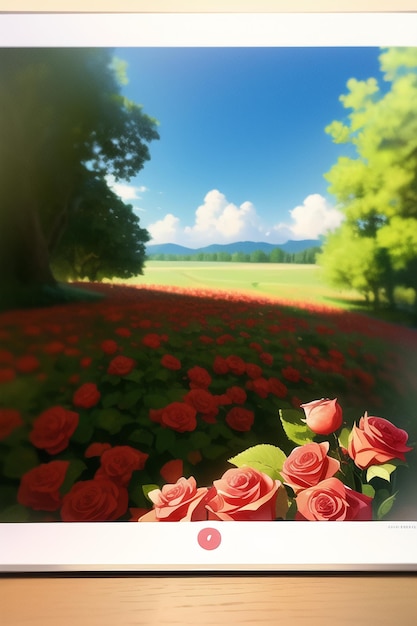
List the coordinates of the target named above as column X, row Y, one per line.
column 243, row 149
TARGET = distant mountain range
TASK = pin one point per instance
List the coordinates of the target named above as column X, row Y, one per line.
column 247, row 247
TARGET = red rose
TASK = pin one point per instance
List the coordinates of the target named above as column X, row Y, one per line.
column 96, row 449
column 122, row 331
column 151, row 340
column 203, row 401
column 179, row 502
column 9, row 420
column 240, row 419
column 155, row 415
column 243, row 494
column 291, row 374
column 236, row 365
column 236, row 394
column 54, row 347
column 277, row 388
column 119, row 462
column 109, row 346
column 260, row 386
column 253, row 370
column 7, row 374
column 39, row 487
column 266, row 358
column 172, row 470
column 97, row 500
column 199, row 377
column 376, row 441
column 121, row 366
column 323, row 416
column 171, row 362
column 86, row 396
column 53, row 429
column 308, row 465
column 6, row 357
column 220, row 365
column 179, row 416
column 27, row 364
column 332, row 501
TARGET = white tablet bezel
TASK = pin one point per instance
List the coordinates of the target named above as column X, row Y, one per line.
column 259, row 546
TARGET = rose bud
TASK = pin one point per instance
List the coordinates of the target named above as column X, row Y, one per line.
column 323, row 416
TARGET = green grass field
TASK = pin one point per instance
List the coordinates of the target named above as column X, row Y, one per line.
column 281, row 281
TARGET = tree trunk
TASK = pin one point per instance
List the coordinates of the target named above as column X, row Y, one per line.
column 24, row 258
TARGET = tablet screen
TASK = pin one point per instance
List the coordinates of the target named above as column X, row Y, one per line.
column 208, row 321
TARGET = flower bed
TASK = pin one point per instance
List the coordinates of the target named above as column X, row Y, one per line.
column 103, row 404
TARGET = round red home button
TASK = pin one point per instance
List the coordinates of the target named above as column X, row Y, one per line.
column 209, row 538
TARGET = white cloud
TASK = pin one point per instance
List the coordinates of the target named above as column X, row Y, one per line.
column 311, row 219
column 125, row 191
column 165, row 230
column 219, row 221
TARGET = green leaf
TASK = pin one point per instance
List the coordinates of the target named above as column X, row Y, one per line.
column 15, row 513
column 84, row 431
column 165, row 440
column 344, row 438
column 213, row 451
column 74, row 471
column 135, row 376
column 147, row 488
column 154, row 400
column 142, row 436
column 111, row 399
column 129, row 399
column 199, row 440
column 385, row 507
column 264, row 457
column 162, row 375
column 381, row 471
column 295, row 429
column 368, row 490
column 19, row 461
column 111, row 420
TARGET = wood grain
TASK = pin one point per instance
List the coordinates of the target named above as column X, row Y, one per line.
column 202, row 600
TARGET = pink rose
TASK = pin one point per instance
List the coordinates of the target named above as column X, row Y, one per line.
column 376, row 441
column 179, row 502
column 308, row 465
column 323, row 416
column 332, row 501
column 243, row 494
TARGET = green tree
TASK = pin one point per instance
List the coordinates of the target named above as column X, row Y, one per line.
column 277, row 255
column 64, row 122
column 377, row 187
column 103, row 238
column 258, row 256
column 240, row 257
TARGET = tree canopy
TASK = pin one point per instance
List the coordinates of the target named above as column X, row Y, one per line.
column 65, row 127
column 375, row 249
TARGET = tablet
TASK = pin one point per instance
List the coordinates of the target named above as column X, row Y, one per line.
column 223, row 376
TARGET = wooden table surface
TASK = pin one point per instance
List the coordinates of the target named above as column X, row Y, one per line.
column 389, row 600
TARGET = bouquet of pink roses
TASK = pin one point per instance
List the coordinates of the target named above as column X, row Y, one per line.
column 332, row 474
